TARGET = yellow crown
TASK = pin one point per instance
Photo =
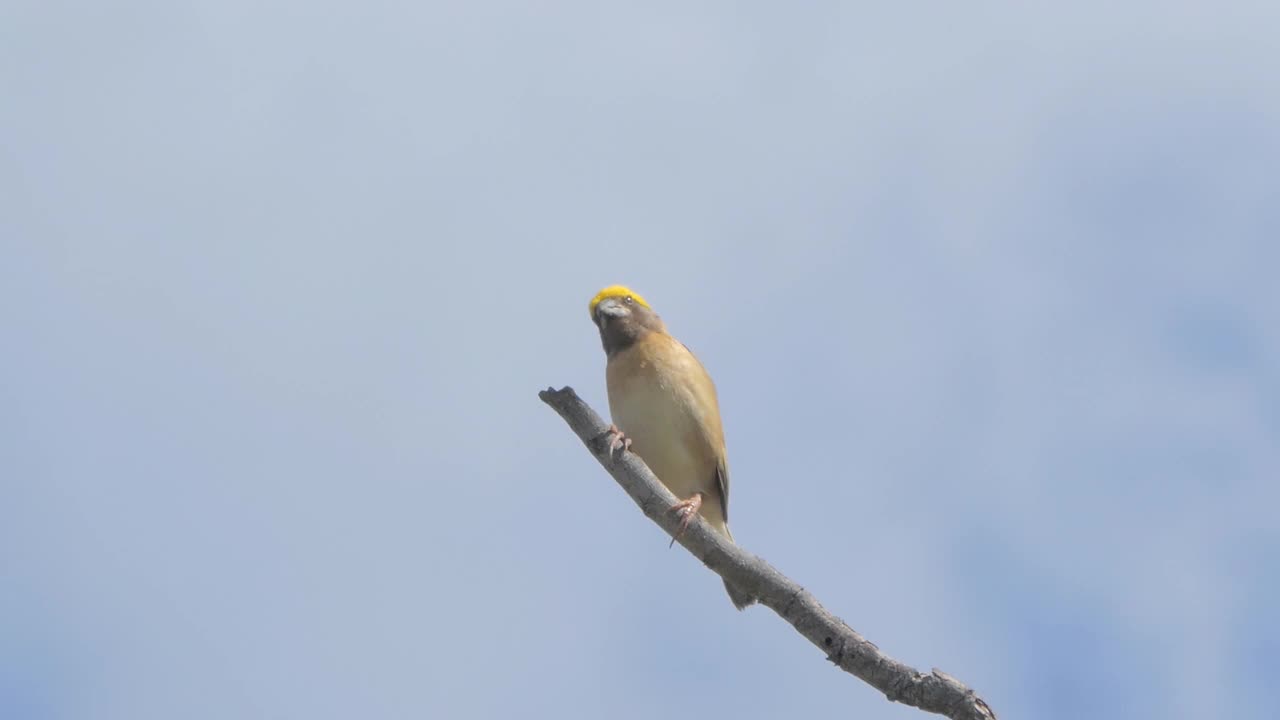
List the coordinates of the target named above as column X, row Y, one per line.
column 614, row 291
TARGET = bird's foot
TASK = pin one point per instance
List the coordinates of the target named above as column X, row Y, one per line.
column 618, row 443
column 686, row 510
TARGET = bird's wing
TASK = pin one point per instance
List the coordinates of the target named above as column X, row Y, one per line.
column 722, row 482
column 712, row 430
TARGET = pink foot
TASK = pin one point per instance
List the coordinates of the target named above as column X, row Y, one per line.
column 618, row 443
column 687, row 510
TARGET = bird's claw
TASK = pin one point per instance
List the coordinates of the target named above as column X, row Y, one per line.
column 686, row 510
column 618, row 443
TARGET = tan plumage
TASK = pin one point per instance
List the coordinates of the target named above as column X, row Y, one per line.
column 663, row 400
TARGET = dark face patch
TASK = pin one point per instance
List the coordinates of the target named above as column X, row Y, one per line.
column 617, row 333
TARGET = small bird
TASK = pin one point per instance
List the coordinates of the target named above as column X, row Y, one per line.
column 665, row 410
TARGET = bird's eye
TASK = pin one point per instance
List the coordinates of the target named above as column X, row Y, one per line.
column 628, row 300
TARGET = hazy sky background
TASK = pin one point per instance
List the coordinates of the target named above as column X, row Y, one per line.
column 989, row 291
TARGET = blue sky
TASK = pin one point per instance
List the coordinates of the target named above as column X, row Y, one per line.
column 988, row 291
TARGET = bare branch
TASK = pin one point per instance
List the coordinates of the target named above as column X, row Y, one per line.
column 935, row 692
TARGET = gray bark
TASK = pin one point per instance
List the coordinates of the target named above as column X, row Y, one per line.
column 935, row 691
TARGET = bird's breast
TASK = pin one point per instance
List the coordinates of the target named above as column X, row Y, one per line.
column 661, row 398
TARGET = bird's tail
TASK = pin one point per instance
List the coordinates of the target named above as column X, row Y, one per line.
column 741, row 600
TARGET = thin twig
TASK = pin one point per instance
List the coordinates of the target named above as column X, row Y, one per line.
column 935, row 691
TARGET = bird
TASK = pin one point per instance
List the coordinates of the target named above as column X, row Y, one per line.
column 664, row 409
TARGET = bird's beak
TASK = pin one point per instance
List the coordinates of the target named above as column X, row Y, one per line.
column 608, row 309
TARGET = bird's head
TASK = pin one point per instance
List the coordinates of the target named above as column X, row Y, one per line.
column 623, row 317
